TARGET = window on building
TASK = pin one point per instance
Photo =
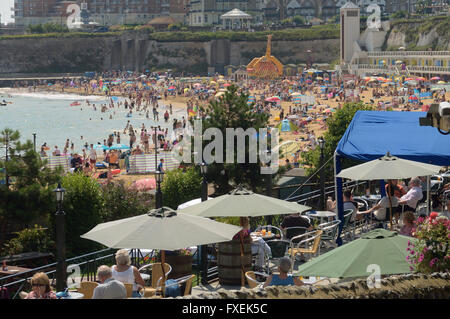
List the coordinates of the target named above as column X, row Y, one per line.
column 206, row 18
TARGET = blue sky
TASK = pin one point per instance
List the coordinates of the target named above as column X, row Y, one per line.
column 5, row 10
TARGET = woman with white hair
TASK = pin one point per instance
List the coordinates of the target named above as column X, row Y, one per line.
column 124, row 272
column 283, row 279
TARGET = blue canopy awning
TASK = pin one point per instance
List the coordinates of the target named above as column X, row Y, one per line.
column 373, row 133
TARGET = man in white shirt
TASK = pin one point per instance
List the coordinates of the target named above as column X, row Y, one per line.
column 109, row 288
column 413, row 196
column 380, row 211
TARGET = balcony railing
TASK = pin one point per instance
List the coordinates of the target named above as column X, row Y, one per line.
column 408, row 53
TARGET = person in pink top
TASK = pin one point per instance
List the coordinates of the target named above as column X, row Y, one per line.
column 408, row 227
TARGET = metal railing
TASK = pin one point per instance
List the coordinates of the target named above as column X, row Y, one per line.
column 408, row 53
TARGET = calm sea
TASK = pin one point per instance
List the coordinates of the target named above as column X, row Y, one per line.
column 53, row 120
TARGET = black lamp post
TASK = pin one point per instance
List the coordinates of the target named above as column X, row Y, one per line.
column 34, row 141
column 61, row 275
column 321, row 142
column 159, row 176
column 269, row 183
column 204, row 248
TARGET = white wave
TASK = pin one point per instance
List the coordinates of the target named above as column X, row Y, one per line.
column 58, row 96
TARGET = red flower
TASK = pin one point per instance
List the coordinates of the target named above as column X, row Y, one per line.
column 433, row 215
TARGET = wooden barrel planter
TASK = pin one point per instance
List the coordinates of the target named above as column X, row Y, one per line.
column 229, row 261
column 181, row 266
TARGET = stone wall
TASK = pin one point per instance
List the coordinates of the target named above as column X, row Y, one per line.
column 411, row 286
column 134, row 51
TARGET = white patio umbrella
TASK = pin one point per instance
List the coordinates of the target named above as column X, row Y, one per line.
column 163, row 229
column 190, row 203
column 389, row 167
column 243, row 203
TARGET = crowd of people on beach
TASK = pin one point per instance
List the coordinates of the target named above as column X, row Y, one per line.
column 152, row 95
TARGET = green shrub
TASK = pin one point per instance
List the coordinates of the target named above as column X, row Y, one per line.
column 36, row 239
column 82, row 205
column 179, row 187
column 121, row 202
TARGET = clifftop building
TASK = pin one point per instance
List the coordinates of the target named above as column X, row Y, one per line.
column 105, row 12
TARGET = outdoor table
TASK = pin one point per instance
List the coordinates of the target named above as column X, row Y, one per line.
column 12, row 270
column 265, row 237
column 322, row 215
column 74, row 295
column 310, row 280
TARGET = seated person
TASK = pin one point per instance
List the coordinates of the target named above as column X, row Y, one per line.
column 349, row 205
column 245, row 231
column 408, row 224
column 379, row 211
column 283, row 278
column 40, row 284
column 294, row 220
column 114, row 159
column 413, row 196
column 109, row 288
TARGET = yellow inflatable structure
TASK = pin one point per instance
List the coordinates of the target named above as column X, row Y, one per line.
column 268, row 66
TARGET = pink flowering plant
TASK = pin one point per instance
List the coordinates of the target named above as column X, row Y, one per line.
column 430, row 252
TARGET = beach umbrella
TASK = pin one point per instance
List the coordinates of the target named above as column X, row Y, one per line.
column 243, row 203
column 435, row 78
column 212, row 82
column 409, row 79
column 101, row 147
column 420, row 78
column 381, row 247
column 441, row 82
column 119, row 147
column 319, row 78
column 219, row 94
column 171, row 88
column 273, row 99
column 144, row 184
column 296, row 94
column 384, row 85
column 226, row 84
column 435, row 89
column 411, row 82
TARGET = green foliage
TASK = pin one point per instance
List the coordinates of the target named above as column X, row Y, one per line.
column 82, row 205
column 121, row 202
column 337, row 125
column 174, row 27
column 60, row 35
column 315, row 32
column 299, row 20
column 47, row 28
column 179, row 187
column 34, row 239
column 398, row 15
column 29, row 196
column 232, row 111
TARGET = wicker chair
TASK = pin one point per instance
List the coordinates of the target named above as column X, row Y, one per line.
column 305, row 239
column 251, row 278
column 185, row 281
column 129, row 288
column 87, row 288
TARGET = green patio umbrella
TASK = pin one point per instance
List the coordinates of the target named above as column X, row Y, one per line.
column 381, row 247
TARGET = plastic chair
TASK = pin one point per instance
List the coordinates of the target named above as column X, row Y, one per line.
column 129, row 288
column 278, row 249
column 251, row 279
column 292, row 232
column 185, row 281
column 87, row 288
column 156, row 272
column 311, row 241
column 330, row 232
column 348, row 229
